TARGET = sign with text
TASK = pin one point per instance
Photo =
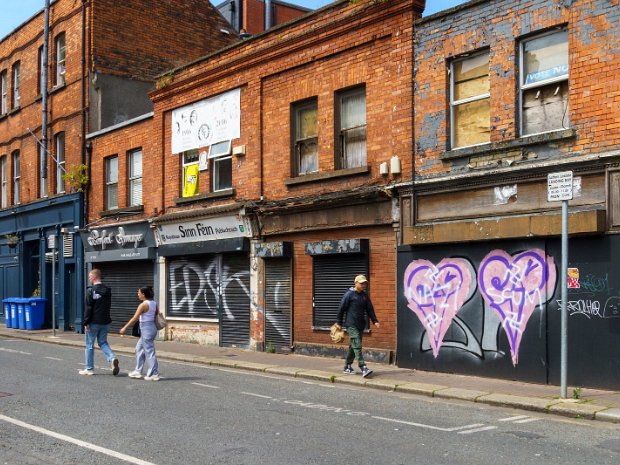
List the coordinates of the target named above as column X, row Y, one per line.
column 205, row 229
column 560, row 186
column 207, row 122
column 111, row 237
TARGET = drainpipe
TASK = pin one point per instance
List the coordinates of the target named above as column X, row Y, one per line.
column 43, row 83
column 267, row 14
column 85, row 159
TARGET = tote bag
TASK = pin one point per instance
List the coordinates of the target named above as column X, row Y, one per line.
column 160, row 320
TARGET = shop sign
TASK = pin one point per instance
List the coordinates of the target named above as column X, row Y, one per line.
column 129, row 236
column 205, row 229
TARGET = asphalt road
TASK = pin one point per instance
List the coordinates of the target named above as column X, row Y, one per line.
column 204, row 415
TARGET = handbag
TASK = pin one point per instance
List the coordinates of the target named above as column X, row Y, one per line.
column 135, row 331
column 160, row 320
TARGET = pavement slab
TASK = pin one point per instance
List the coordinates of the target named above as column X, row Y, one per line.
column 381, row 383
column 285, row 371
column 611, row 415
column 316, row 375
column 535, row 404
column 252, row 366
column 576, row 410
column 420, row 388
column 461, row 394
column 350, row 379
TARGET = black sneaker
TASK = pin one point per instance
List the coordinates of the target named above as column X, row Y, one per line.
column 348, row 370
column 115, row 367
column 366, row 371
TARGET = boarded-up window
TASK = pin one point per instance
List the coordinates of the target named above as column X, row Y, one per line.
column 544, row 83
column 469, row 101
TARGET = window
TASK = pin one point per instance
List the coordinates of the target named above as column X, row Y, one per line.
column 544, row 83
column 306, row 132
column 40, row 84
column 135, row 178
column 470, row 112
column 351, row 124
column 60, row 162
column 4, row 89
column 111, row 183
column 190, row 173
column 16, row 81
column 16, row 177
column 61, row 52
column 43, row 187
column 4, row 181
column 222, row 165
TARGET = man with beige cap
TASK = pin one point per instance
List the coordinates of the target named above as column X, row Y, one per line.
column 354, row 312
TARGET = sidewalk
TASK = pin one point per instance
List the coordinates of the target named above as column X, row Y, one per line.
column 592, row 404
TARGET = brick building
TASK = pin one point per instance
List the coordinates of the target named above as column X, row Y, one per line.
column 99, row 75
column 249, row 15
column 505, row 94
column 272, row 176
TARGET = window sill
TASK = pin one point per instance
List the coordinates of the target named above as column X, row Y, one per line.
column 207, row 196
column 3, row 116
column 317, row 177
column 57, row 88
column 14, row 111
column 535, row 139
column 38, row 98
column 121, row 211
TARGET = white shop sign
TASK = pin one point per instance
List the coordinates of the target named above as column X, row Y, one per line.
column 207, row 229
column 560, row 186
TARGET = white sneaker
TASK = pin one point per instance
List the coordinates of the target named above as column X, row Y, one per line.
column 152, row 378
column 86, row 372
column 135, row 374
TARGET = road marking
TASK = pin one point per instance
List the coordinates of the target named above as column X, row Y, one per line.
column 527, row 420
column 13, row 351
column 87, row 445
column 477, row 430
column 54, row 358
column 206, row 385
column 518, row 417
column 422, row 425
column 255, row 395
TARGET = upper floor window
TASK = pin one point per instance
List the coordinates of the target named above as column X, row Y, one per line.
column 135, row 178
column 543, row 83
column 16, row 177
column 222, row 165
column 190, row 173
column 40, row 84
column 306, row 134
column 4, row 85
column 16, row 82
column 351, row 124
column 4, row 200
column 61, row 52
column 470, row 111
column 111, row 182
column 43, row 186
column 60, row 162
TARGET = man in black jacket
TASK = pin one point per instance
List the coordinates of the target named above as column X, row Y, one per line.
column 97, row 323
column 354, row 312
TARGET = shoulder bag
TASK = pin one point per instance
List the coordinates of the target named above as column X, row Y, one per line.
column 160, row 320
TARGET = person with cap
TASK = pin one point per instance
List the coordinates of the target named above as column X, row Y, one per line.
column 354, row 312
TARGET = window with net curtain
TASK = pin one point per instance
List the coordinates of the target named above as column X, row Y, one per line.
column 111, row 183
column 16, row 177
column 352, row 127
column 135, row 178
column 60, row 162
column 544, row 83
column 306, row 137
column 470, row 112
column 4, row 202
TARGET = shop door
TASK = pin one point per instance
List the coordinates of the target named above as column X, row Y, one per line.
column 278, row 303
column 125, row 278
column 235, row 301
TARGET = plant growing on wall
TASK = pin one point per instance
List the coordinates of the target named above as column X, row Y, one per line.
column 76, row 176
column 164, row 81
column 11, row 240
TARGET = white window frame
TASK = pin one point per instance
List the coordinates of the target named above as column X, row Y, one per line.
column 298, row 108
column 456, row 103
column 16, row 177
column 16, row 78
column 344, row 160
column 134, row 177
column 61, row 57
column 4, row 183
column 59, row 143
column 4, row 84
column 523, row 87
column 43, row 185
column 111, row 182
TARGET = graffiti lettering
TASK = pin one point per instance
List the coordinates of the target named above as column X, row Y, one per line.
column 587, row 308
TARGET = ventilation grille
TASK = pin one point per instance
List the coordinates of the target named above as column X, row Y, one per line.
column 67, row 245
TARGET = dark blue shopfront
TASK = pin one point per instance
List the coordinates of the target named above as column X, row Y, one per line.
column 27, row 261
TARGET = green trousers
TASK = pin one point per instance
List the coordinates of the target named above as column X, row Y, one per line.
column 355, row 347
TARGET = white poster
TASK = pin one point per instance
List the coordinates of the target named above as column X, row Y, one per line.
column 207, row 229
column 207, row 122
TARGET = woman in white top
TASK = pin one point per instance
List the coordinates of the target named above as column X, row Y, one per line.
column 145, row 348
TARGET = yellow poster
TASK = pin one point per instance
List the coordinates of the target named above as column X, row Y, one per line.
column 190, row 181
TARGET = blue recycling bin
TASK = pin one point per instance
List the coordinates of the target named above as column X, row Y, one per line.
column 13, row 307
column 21, row 313
column 34, row 312
column 6, row 305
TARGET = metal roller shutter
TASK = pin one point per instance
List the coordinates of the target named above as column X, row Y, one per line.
column 332, row 276
column 235, row 302
column 193, row 286
column 278, row 302
column 125, row 278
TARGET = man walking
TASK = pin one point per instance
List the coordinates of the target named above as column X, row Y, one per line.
column 97, row 323
column 354, row 312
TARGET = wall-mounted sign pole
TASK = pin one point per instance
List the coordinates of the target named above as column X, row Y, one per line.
column 560, row 187
column 51, row 243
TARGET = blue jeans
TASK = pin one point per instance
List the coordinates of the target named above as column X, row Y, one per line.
column 145, row 349
column 100, row 333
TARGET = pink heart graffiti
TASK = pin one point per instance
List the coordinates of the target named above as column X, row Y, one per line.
column 514, row 287
column 436, row 293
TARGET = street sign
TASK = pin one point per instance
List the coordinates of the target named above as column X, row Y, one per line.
column 560, row 186
column 51, row 242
